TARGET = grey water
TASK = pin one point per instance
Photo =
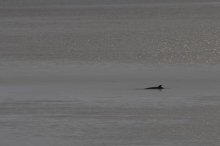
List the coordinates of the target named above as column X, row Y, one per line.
column 74, row 73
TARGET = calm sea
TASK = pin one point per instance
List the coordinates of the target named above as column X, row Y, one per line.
column 73, row 73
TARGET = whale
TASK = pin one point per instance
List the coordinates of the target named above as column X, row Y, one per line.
column 158, row 87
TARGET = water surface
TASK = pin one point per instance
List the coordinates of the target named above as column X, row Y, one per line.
column 74, row 73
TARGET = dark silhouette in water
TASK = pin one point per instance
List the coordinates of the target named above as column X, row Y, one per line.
column 159, row 87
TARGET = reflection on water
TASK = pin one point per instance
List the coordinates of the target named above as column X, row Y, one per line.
column 151, row 33
column 105, row 104
column 57, row 122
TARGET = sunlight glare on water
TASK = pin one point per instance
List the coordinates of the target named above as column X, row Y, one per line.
column 151, row 32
